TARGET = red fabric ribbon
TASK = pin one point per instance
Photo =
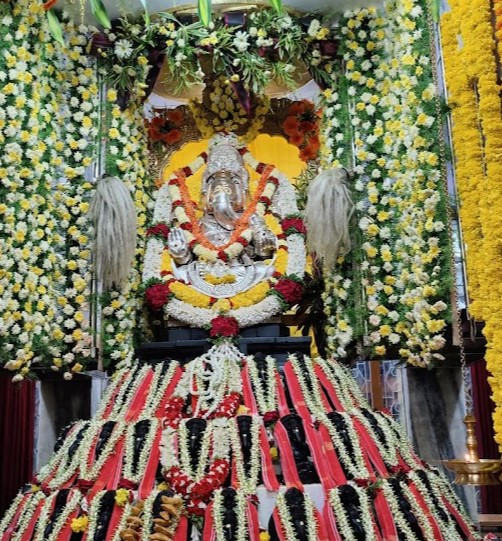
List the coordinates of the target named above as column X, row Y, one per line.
column 28, row 533
column 267, row 468
column 181, row 530
column 329, row 388
column 281, row 396
column 159, row 412
column 438, row 536
column 334, row 466
column 247, row 391
column 111, row 399
column 148, row 476
column 288, row 464
column 140, row 397
column 384, row 517
column 330, row 523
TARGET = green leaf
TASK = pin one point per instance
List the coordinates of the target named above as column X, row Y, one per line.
column 204, row 9
column 147, row 16
column 277, row 5
column 100, row 14
column 55, row 27
column 434, row 7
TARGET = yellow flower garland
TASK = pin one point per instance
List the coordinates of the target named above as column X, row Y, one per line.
column 477, row 136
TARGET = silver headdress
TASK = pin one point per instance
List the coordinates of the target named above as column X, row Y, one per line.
column 223, row 155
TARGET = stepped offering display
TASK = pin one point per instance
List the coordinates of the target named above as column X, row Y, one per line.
column 226, row 448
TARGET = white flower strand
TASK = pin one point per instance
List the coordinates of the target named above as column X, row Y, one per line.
column 247, row 481
column 94, row 514
column 399, row 519
column 11, row 511
column 70, row 506
column 422, row 519
column 218, row 510
column 127, row 393
column 88, row 445
column 202, row 456
column 264, row 392
column 287, row 522
column 28, row 511
column 342, row 519
column 160, row 383
column 139, row 467
column 147, row 516
column 354, row 464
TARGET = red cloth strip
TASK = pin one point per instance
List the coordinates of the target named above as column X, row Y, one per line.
column 181, row 530
column 148, row 476
column 330, row 523
column 295, row 392
column 253, row 522
column 438, row 536
column 315, row 445
column 460, row 520
column 209, row 534
column 384, row 517
column 288, row 464
column 28, row 533
column 139, row 398
column 111, row 400
column 329, row 388
column 281, row 396
column 334, row 466
column 107, row 475
column 247, row 391
column 278, row 525
column 370, row 451
column 117, row 513
column 159, row 412
column 322, row 532
column 267, row 468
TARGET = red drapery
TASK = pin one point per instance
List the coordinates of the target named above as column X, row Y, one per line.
column 491, row 496
column 17, row 415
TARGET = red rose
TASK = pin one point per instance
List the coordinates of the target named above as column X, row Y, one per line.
column 224, row 326
column 293, row 225
column 156, row 296
column 290, row 290
column 160, row 230
column 270, row 417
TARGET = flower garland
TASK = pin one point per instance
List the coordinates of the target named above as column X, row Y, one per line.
column 11, row 512
column 160, row 382
column 212, row 465
column 477, row 132
column 94, row 511
column 133, row 470
column 29, row 508
column 247, row 481
column 89, row 464
column 400, row 196
column 127, row 391
column 287, row 522
column 61, row 461
column 353, row 463
column 399, row 518
column 342, row 518
column 265, row 392
column 71, row 505
column 240, row 511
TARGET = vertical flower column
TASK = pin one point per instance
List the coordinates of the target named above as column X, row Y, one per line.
column 75, row 83
column 422, row 247
column 127, row 159
column 471, row 75
column 27, row 226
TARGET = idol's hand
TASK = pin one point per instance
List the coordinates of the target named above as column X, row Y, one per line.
column 178, row 246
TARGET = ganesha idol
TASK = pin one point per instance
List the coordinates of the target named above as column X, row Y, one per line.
column 229, row 245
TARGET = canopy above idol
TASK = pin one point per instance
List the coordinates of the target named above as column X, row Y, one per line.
column 116, row 8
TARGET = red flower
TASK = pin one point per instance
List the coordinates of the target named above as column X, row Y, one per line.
column 156, row 296
column 290, row 126
column 298, row 107
column 270, row 417
column 296, row 139
column 176, row 116
column 222, row 326
column 160, row 230
column 289, row 290
column 293, row 225
column 172, row 137
column 177, row 203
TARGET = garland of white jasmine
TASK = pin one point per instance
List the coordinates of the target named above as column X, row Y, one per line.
column 57, row 458
column 344, row 383
column 264, row 392
column 122, row 525
column 158, row 387
column 287, row 521
column 90, row 466
column 247, row 481
column 70, row 506
column 422, row 519
column 28, row 511
column 342, row 520
column 9, row 515
column 240, row 511
column 147, row 516
column 114, row 382
column 126, row 394
column 175, row 448
column 353, row 463
column 134, row 470
column 397, row 515
column 211, row 385
column 94, row 513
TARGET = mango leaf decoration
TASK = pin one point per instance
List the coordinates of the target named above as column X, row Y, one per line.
column 100, row 14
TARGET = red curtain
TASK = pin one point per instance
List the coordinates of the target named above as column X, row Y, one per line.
column 17, row 416
column 491, row 496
